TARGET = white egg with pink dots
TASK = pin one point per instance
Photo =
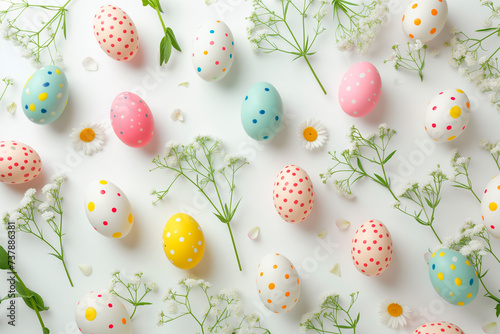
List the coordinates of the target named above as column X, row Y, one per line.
column 438, row 327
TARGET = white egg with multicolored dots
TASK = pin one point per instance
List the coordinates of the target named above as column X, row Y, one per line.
column 108, row 209
column 278, row 283
column 100, row 312
column 424, row 19
column 438, row 327
column 453, row 277
column 213, row 50
column 371, row 248
column 293, row 194
column 45, row 95
column 19, row 163
column 183, row 241
column 490, row 206
column 447, row 115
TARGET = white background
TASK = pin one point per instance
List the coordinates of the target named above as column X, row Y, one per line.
column 214, row 108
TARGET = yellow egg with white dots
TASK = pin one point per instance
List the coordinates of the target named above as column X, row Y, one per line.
column 183, row 241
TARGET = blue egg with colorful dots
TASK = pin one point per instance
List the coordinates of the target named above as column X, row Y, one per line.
column 45, row 95
column 453, row 277
column 262, row 111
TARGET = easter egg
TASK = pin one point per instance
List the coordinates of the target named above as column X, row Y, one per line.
column 278, row 283
column 293, row 194
column 116, row 33
column 183, row 241
column 100, row 312
column 438, row 327
column 453, row 277
column 213, row 50
column 132, row 120
column 108, row 209
column 424, row 19
column 262, row 111
column 490, row 213
column 45, row 95
column 447, row 115
column 371, row 248
column 19, row 163
column 359, row 89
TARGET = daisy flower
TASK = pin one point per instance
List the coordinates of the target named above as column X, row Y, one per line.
column 313, row 134
column 88, row 138
column 393, row 313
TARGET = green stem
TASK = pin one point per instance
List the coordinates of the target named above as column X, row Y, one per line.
column 234, row 245
column 159, row 16
column 435, row 233
column 314, row 73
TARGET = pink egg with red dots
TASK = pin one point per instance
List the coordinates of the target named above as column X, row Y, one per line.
column 100, row 312
column 447, row 115
column 359, row 89
column 116, row 33
column 439, row 327
column 293, row 194
column 132, row 120
column 371, row 248
column 108, row 209
column 19, row 163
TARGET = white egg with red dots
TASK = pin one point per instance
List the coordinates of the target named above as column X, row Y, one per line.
column 278, row 283
column 100, row 312
column 108, row 209
column 371, row 248
column 19, row 163
column 447, row 115
column 490, row 206
column 438, row 327
column 424, row 19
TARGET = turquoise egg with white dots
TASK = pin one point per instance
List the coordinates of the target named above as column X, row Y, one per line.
column 262, row 111
column 45, row 95
column 453, row 277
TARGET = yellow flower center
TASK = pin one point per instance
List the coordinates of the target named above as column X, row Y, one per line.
column 310, row 134
column 87, row 135
column 394, row 310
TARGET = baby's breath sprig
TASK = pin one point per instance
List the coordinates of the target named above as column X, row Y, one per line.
column 223, row 312
column 461, row 167
column 414, row 60
column 39, row 38
column 25, row 217
column 331, row 314
column 358, row 24
column 371, row 149
column 134, row 298
column 200, row 163
column 273, row 31
column 493, row 149
column 8, row 82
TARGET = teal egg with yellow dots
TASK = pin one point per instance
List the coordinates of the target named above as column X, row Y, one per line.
column 453, row 277
column 262, row 111
column 45, row 95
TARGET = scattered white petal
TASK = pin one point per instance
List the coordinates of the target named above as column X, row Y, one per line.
column 183, row 84
column 90, row 64
column 86, row 269
column 427, row 257
column 322, row 234
column 177, row 115
column 254, row 233
column 12, row 107
column 336, row 270
column 490, row 327
column 342, row 224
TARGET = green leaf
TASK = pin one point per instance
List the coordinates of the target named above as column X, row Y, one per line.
column 155, row 4
column 165, row 49
column 64, row 25
column 389, row 157
column 429, row 203
column 57, row 256
column 30, row 296
column 143, row 303
column 175, row 44
column 221, row 218
column 497, row 308
column 486, row 29
column 360, row 165
column 381, row 179
column 4, row 259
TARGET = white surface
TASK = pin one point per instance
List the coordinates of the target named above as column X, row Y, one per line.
column 214, row 108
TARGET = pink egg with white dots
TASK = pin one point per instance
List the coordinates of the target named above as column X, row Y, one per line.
column 116, row 33
column 371, row 248
column 438, row 327
column 293, row 194
column 132, row 120
column 359, row 90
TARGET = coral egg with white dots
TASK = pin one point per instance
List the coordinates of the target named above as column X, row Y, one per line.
column 438, row 327
column 183, row 241
column 45, row 95
column 424, row 19
column 100, row 312
column 278, row 283
column 19, row 163
column 132, row 120
column 447, row 115
column 293, row 194
column 371, row 248
column 490, row 206
column 108, row 209
column 359, row 90
column 213, row 50
column 116, row 33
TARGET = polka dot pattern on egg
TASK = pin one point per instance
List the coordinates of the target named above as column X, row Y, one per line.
column 438, row 327
column 424, row 19
column 490, row 202
column 19, row 163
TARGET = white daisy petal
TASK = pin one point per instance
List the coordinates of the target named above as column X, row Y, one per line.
column 12, row 107
column 88, row 138
column 90, row 64
column 336, row 270
column 183, row 84
column 489, row 327
column 393, row 313
column 427, row 257
column 322, row 234
column 342, row 224
column 177, row 115
column 313, row 134
column 86, row 269
column 254, row 233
